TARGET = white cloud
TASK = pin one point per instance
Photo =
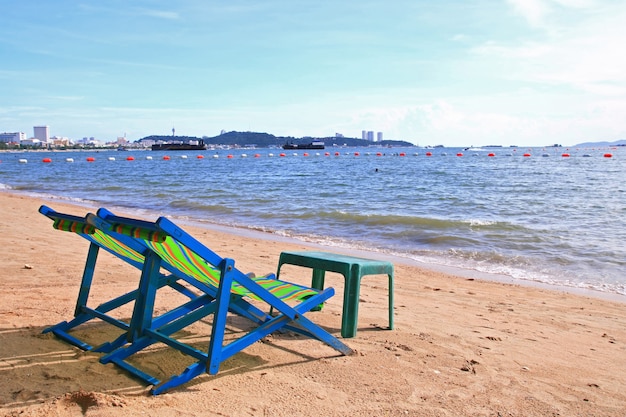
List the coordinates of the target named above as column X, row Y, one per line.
column 534, row 11
column 523, row 51
column 161, row 14
column 583, row 52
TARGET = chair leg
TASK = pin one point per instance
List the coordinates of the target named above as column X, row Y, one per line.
column 216, row 345
column 144, row 305
column 88, row 272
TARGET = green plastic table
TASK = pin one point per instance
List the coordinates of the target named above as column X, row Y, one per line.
column 352, row 269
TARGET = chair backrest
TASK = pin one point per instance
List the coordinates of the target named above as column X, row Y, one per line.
column 120, row 246
column 183, row 255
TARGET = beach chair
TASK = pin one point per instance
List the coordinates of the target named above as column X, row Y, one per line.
column 122, row 247
column 219, row 288
column 132, row 252
column 230, row 290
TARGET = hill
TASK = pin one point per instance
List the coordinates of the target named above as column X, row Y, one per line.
column 265, row 140
column 621, row 142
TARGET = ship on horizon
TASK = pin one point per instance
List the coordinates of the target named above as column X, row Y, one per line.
column 196, row 145
column 316, row 144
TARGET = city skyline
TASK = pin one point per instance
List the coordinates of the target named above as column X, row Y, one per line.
column 523, row 72
column 42, row 133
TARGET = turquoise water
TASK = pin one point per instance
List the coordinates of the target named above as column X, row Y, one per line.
column 544, row 218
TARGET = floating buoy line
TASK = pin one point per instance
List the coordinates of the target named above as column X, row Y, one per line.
column 336, row 154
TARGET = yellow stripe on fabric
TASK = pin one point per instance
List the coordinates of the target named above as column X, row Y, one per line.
column 286, row 291
column 116, row 246
column 188, row 262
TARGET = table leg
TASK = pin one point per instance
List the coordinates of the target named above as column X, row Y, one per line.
column 390, row 301
column 318, row 279
column 351, row 295
column 318, row 283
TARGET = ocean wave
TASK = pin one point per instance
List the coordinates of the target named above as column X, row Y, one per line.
column 195, row 207
column 383, row 220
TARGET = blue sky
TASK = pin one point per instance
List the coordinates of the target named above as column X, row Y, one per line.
column 457, row 73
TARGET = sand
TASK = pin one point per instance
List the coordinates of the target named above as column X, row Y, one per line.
column 461, row 347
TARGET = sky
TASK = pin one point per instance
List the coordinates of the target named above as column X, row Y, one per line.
column 452, row 73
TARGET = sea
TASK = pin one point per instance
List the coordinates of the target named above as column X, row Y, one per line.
column 550, row 216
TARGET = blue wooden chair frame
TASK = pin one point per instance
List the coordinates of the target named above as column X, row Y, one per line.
column 230, row 293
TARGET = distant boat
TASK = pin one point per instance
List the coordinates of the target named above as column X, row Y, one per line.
column 180, row 146
column 316, row 144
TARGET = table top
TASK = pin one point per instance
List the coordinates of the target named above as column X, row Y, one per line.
column 334, row 261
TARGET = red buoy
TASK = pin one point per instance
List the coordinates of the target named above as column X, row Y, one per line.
column 90, row 159
column 200, row 156
column 166, row 158
column 565, row 155
column 491, row 154
column 130, row 158
column 608, row 155
column 379, row 154
column 526, row 155
column 459, row 154
column 429, row 154
column 402, row 154
column 46, row 160
column 336, row 153
column 282, row 154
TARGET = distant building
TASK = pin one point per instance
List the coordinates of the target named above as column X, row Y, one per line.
column 31, row 142
column 370, row 135
column 42, row 133
column 363, row 135
column 379, row 136
column 88, row 141
column 60, row 141
column 147, row 143
column 12, row 137
column 338, row 135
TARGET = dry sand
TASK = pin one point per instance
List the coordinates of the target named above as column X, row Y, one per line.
column 461, row 347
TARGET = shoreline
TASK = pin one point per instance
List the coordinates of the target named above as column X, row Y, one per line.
column 459, row 272
column 253, row 233
column 461, row 346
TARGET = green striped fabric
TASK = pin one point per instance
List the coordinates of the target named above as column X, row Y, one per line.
column 191, row 264
column 99, row 237
column 117, row 246
column 286, row 291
